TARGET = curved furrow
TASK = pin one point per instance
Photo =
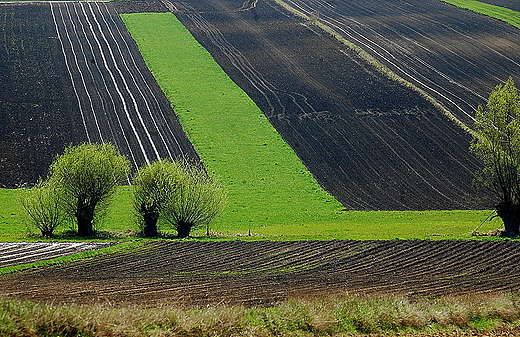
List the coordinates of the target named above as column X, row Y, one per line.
column 453, row 141
column 70, row 62
column 414, row 165
column 135, row 79
column 119, row 73
column 350, row 148
column 20, row 253
column 126, row 103
column 110, row 67
column 170, row 134
column 412, row 25
column 424, row 263
column 348, row 31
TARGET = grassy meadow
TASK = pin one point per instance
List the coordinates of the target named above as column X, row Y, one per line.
column 505, row 14
column 340, row 225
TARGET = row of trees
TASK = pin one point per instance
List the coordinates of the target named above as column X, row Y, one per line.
column 82, row 180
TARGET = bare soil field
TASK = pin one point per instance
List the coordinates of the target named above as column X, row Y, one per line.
column 263, row 273
column 455, row 55
column 371, row 142
column 71, row 73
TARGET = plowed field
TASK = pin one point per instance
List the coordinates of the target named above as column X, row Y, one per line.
column 455, row 55
column 371, row 142
column 260, row 273
column 514, row 5
column 70, row 73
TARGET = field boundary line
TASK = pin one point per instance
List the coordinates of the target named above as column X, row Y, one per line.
column 504, row 14
column 372, row 61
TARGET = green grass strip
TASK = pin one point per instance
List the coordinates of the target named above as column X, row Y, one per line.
column 354, row 225
column 505, row 14
column 267, row 183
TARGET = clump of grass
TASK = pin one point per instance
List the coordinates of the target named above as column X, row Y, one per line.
column 349, row 315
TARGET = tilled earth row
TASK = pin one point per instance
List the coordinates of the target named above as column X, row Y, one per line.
column 263, row 273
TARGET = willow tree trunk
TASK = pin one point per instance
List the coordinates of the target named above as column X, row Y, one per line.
column 85, row 227
column 150, row 224
column 85, row 218
column 510, row 215
column 183, row 229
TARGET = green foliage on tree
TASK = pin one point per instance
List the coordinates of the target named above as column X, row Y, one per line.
column 180, row 193
column 42, row 203
column 154, row 186
column 85, row 177
column 497, row 142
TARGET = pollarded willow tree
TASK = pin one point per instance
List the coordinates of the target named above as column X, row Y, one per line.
column 86, row 176
column 154, row 186
column 497, row 142
column 197, row 200
column 180, row 193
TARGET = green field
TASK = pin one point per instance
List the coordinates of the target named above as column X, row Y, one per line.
column 340, row 225
column 505, row 14
column 271, row 194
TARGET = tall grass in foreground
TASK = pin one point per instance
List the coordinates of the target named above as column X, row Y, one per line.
column 505, row 14
column 327, row 317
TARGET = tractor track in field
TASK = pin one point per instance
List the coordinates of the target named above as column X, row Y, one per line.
column 266, row 272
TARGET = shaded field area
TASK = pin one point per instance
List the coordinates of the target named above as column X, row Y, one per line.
column 371, row 142
column 263, row 273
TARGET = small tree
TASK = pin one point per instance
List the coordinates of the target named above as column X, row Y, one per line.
column 42, row 204
column 86, row 176
column 497, row 142
column 197, row 200
column 154, row 186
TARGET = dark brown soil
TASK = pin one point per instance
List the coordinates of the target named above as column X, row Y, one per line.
column 371, row 142
column 37, row 114
column 263, row 273
column 63, row 81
